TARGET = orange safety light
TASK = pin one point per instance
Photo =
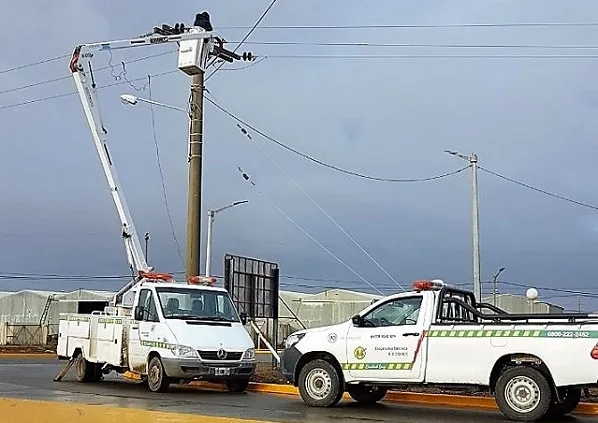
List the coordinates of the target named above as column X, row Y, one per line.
column 202, row 280
column 594, row 352
column 156, row 276
column 427, row 285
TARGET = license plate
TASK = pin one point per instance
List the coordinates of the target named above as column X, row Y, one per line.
column 222, row 371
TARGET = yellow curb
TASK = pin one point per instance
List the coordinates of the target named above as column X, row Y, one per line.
column 27, row 355
column 18, row 411
column 416, row 398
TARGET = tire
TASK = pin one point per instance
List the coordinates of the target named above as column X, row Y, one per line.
column 523, row 394
column 366, row 394
column 85, row 370
column 157, row 380
column 320, row 384
column 571, row 398
column 237, row 385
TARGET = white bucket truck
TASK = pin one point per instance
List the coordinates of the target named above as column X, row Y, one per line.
column 162, row 330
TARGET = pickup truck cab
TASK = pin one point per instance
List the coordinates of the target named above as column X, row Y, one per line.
column 534, row 364
column 173, row 333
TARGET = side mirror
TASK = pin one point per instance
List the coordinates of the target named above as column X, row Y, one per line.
column 357, row 320
column 138, row 313
column 243, row 317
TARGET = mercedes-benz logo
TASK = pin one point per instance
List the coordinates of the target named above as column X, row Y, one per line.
column 221, row 354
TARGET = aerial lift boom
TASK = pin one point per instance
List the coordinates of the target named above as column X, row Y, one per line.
column 196, row 44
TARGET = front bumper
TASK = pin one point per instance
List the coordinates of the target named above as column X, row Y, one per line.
column 289, row 358
column 194, row 368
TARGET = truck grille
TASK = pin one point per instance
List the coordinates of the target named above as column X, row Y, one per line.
column 213, row 355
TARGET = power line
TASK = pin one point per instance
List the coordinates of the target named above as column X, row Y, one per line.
column 248, row 179
column 542, row 191
column 166, row 204
column 434, row 45
column 465, row 25
column 428, row 56
column 37, row 100
column 118, row 278
column 327, row 165
column 253, row 28
column 62, row 78
column 39, row 62
column 244, row 131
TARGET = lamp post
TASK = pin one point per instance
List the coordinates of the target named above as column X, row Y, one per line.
column 133, row 100
column 494, row 280
column 211, row 214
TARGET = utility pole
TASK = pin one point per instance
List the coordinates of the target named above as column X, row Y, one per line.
column 475, row 221
column 195, row 176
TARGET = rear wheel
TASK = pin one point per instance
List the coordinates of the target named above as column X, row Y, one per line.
column 85, row 369
column 157, row 380
column 523, row 394
column 320, row 384
column 237, row 385
column 366, row 394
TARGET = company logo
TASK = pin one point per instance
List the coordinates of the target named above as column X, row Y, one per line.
column 221, row 354
column 332, row 338
column 359, row 353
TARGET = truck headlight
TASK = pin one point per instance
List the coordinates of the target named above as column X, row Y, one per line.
column 293, row 339
column 184, row 351
column 249, row 354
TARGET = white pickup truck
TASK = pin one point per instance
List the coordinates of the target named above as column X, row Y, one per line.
column 178, row 332
column 536, row 365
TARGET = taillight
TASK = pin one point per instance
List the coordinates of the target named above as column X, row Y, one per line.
column 594, row 353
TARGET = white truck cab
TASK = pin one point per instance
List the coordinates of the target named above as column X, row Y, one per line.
column 177, row 333
column 535, row 364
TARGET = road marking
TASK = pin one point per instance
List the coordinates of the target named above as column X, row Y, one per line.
column 18, row 411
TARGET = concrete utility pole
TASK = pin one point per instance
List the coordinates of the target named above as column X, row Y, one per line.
column 473, row 161
column 195, row 176
column 211, row 214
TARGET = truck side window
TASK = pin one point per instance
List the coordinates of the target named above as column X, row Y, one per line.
column 399, row 312
column 151, row 313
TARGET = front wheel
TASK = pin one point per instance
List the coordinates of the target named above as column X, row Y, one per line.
column 523, row 394
column 320, row 384
column 157, row 380
column 366, row 394
column 237, row 385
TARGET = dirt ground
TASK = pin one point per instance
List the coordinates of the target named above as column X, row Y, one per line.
column 9, row 349
column 265, row 373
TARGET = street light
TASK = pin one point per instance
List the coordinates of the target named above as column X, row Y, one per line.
column 494, row 279
column 133, row 100
column 211, row 214
column 473, row 161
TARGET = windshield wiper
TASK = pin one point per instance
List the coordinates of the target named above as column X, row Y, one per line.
column 194, row 317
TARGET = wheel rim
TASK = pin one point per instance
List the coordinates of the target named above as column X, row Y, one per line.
column 318, row 384
column 522, row 394
column 154, row 374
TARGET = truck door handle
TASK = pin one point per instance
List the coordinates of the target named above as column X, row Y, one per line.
column 411, row 334
column 134, row 327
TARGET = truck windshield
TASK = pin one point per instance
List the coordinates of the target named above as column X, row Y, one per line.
column 196, row 304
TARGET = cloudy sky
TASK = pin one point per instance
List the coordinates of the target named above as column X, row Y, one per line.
column 529, row 118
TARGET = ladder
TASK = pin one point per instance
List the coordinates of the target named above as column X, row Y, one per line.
column 44, row 316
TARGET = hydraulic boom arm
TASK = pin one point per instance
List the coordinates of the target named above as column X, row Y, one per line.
column 195, row 47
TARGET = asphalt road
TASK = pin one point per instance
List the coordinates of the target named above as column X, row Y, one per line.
column 32, row 379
